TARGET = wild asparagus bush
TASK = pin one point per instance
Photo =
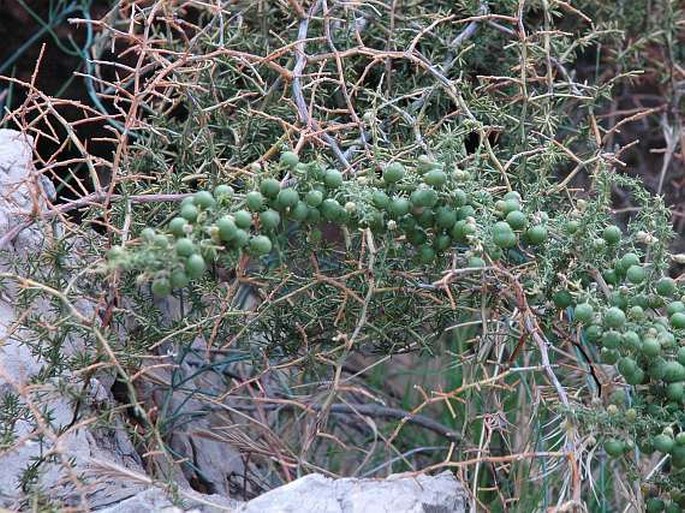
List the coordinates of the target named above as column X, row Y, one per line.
column 392, row 235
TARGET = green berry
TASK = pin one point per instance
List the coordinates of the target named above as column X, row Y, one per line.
column 512, row 195
column 631, row 415
column 204, row 199
column 313, row 215
column 195, row 266
column 189, row 212
column 611, row 339
column 445, row 218
column 425, row 254
column 599, row 245
column 270, row 187
column 495, row 253
column 510, row 204
column 148, row 234
column 655, row 301
column 177, row 226
column 635, row 274
column 435, row 178
column 459, row 198
column 627, row 366
column 465, row 212
column 457, row 231
column 161, row 287
column 612, row 234
column 536, row 234
column 516, row 219
column 503, row 236
column 178, row 279
column 254, row 201
column 610, row 276
column 442, row 242
column 393, row 173
column 657, row 368
column 243, row 219
column 636, row 378
column 424, row 198
column 673, row 508
column 399, row 207
column 425, row 163
column 572, row 227
column 287, row 197
column 161, row 241
column 562, row 298
column 637, row 313
column 424, row 217
column 614, row 447
column 332, row 178
column 651, row 347
column 593, row 332
column 289, row 158
column 663, row 443
column 676, row 392
column 380, row 199
column 583, row 312
column 476, row 262
column 299, row 212
column 185, row 247
column 674, row 371
column 632, row 340
column 614, row 317
column 270, row 219
column 609, row 356
column 260, row 245
column 629, row 259
column 331, row 210
column 241, row 238
column 678, row 320
column 654, row 505
column 666, row 287
column 640, row 300
column 667, row 340
column 223, row 192
column 227, row 228
column 674, row 307
column 314, row 198
column 678, row 455
column 417, row 237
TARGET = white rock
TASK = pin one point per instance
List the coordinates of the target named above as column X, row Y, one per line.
column 21, row 192
column 319, row 494
column 155, row 499
column 397, row 494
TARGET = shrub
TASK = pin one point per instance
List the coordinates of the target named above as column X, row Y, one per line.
column 378, row 179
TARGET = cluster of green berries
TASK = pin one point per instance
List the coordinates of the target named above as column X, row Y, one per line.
column 637, row 327
column 672, row 499
column 427, row 207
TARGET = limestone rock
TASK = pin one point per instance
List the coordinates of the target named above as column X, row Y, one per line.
column 407, row 494
column 319, row 494
column 155, row 499
column 61, row 460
